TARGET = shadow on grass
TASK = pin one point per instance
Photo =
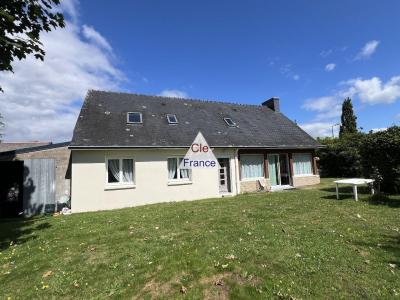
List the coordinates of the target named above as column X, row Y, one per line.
column 345, row 192
column 18, row 231
column 382, row 199
column 388, row 243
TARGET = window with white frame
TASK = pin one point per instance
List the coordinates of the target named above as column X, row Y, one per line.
column 120, row 171
column 172, row 119
column 176, row 173
column 302, row 164
column 229, row 122
column 134, row 118
column 252, row 166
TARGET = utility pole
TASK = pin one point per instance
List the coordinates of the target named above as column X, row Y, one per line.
column 337, row 124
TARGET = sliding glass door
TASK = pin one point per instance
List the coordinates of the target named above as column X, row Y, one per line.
column 273, row 167
column 279, row 171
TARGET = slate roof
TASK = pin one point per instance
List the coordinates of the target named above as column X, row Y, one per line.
column 11, row 149
column 102, row 123
column 11, row 146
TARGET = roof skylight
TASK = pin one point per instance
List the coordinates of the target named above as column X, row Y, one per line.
column 134, row 117
column 172, row 119
column 229, row 122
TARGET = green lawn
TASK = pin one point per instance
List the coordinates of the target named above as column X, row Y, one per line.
column 292, row 244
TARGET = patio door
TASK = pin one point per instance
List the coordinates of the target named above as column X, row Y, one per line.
column 279, row 171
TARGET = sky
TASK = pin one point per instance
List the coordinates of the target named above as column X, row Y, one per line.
column 311, row 54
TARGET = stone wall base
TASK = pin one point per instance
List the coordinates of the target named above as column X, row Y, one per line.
column 305, row 180
column 254, row 186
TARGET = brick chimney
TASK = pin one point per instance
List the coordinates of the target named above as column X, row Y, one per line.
column 272, row 103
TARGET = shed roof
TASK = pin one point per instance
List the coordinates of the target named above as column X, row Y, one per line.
column 11, row 146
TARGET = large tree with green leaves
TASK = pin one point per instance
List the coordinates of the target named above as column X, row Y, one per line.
column 348, row 119
column 21, row 22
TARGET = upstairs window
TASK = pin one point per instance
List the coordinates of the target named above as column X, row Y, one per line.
column 172, row 119
column 229, row 122
column 134, row 118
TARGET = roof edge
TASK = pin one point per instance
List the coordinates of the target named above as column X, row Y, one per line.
column 34, row 149
column 204, row 100
column 187, row 146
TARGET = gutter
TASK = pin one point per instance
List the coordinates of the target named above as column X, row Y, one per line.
column 187, row 146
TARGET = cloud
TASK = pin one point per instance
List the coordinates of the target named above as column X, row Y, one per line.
column 327, row 108
column 287, row 71
column 326, row 53
column 70, row 8
column 329, row 52
column 42, row 99
column 370, row 91
column 319, row 104
column 374, row 91
column 173, row 94
column 378, row 129
column 95, row 37
column 320, row 129
column 330, row 67
column 368, row 49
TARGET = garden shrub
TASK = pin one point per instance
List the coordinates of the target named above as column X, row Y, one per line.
column 380, row 152
column 341, row 157
column 373, row 155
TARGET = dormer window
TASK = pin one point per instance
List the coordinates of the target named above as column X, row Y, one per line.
column 172, row 119
column 134, row 118
column 229, row 122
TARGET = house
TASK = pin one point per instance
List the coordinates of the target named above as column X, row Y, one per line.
column 34, row 177
column 126, row 150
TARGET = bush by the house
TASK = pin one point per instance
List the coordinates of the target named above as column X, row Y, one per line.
column 373, row 155
column 380, row 154
column 341, row 157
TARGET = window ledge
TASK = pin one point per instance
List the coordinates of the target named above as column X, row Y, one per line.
column 119, row 187
column 180, row 182
column 305, row 175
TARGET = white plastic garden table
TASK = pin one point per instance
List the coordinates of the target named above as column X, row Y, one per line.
column 354, row 182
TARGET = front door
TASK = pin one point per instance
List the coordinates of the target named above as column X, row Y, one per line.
column 279, row 171
column 224, row 175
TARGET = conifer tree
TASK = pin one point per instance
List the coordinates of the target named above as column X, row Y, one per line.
column 348, row 118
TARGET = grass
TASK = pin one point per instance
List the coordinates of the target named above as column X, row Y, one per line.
column 292, row 244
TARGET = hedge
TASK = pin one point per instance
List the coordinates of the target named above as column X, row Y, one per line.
column 373, row 155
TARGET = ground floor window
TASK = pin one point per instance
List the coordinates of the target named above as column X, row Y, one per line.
column 302, row 164
column 176, row 173
column 252, row 165
column 120, row 170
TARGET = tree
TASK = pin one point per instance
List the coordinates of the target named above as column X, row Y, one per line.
column 21, row 22
column 348, row 119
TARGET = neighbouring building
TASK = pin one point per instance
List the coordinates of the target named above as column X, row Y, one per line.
column 126, row 150
column 34, row 177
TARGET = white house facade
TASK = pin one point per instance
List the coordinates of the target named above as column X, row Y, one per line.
column 127, row 148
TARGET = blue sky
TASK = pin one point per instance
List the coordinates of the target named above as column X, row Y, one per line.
column 311, row 54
